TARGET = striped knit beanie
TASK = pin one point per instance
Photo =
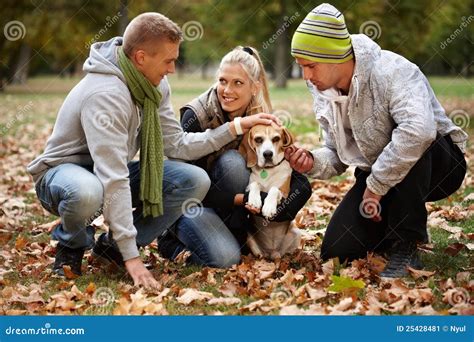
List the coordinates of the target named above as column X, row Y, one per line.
column 323, row 37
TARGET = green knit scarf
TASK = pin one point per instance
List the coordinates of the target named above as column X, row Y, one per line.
column 151, row 145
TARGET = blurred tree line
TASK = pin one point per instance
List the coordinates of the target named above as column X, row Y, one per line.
column 45, row 36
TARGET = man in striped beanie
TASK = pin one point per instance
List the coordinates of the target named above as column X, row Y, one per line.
column 378, row 113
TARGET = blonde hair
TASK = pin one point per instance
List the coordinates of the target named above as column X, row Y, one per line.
column 250, row 61
column 146, row 30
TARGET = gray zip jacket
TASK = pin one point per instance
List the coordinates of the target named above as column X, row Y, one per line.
column 393, row 113
column 99, row 124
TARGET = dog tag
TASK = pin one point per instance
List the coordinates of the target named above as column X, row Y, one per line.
column 263, row 174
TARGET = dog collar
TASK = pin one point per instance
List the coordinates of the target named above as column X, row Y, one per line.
column 264, row 172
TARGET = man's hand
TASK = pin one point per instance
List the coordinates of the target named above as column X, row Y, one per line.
column 370, row 207
column 140, row 275
column 300, row 159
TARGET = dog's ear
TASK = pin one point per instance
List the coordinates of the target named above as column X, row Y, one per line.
column 287, row 137
column 247, row 149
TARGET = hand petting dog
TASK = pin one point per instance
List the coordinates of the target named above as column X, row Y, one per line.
column 246, row 123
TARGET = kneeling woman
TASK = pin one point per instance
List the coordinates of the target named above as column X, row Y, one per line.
column 241, row 90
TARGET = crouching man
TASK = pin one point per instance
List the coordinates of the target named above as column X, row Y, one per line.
column 379, row 114
column 121, row 106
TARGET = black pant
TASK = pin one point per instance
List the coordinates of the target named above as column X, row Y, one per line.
column 438, row 173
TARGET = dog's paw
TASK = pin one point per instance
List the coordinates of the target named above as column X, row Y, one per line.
column 255, row 201
column 269, row 210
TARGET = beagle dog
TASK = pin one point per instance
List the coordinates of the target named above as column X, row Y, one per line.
column 263, row 148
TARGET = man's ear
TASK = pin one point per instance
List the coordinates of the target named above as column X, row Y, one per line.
column 138, row 57
column 247, row 149
column 287, row 137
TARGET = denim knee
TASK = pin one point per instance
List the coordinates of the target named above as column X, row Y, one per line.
column 85, row 199
column 199, row 183
column 230, row 171
column 225, row 257
column 207, row 237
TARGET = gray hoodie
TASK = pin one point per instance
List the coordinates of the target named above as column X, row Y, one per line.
column 98, row 124
column 393, row 113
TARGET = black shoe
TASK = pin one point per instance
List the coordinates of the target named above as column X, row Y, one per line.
column 401, row 255
column 169, row 246
column 106, row 251
column 66, row 256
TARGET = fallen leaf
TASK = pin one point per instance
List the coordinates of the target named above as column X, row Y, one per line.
column 228, row 289
column 224, row 301
column 187, row 296
column 341, row 283
column 454, row 248
column 419, row 273
column 469, row 197
column 90, row 288
column 68, row 273
column 315, row 293
column 264, row 269
column 20, row 242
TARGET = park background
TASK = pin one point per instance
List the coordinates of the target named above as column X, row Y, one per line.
column 43, row 46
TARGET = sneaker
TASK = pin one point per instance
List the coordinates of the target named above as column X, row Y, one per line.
column 169, row 246
column 401, row 255
column 66, row 256
column 106, row 251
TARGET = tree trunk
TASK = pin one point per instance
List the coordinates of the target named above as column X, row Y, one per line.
column 123, row 22
column 204, row 69
column 282, row 42
column 20, row 73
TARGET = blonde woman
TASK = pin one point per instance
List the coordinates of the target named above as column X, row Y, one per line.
column 240, row 92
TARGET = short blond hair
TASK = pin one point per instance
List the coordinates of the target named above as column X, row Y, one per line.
column 145, row 30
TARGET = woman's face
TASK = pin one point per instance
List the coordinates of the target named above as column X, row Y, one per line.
column 234, row 89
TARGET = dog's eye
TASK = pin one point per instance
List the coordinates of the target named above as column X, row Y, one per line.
column 276, row 139
column 258, row 140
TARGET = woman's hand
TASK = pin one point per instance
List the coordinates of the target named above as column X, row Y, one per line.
column 257, row 119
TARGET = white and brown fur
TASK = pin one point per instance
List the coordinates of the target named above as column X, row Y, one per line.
column 263, row 148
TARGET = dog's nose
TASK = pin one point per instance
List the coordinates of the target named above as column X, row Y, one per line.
column 268, row 154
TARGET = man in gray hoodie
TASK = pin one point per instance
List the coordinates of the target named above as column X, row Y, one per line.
column 379, row 114
column 87, row 168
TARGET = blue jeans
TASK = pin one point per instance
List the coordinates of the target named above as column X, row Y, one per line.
column 75, row 194
column 230, row 176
